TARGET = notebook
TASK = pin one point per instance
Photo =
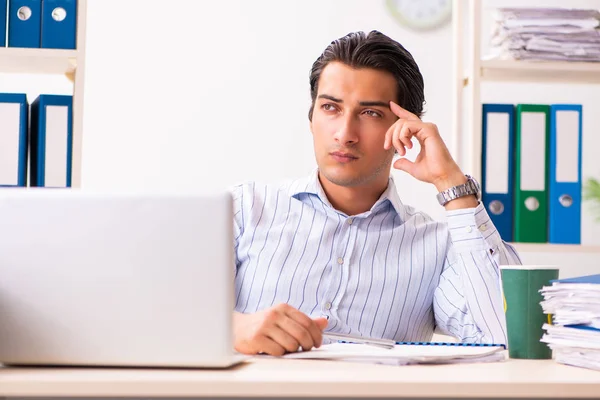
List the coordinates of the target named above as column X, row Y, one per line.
column 386, row 351
column 405, row 353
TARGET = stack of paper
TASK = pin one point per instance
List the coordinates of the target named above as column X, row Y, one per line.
column 546, row 34
column 402, row 354
column 575, row 307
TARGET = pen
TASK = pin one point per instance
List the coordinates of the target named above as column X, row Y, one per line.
column 340, row 337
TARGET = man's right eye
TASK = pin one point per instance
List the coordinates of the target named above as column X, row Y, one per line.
column 328, row 107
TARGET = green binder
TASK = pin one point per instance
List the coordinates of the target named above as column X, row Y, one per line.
column 531, row 169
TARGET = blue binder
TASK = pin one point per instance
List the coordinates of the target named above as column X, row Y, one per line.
column 3, row 16
column 24, row 23
column 13, row 139
column 59, row 24
column 564, row 205
column 497, row 166
column 51, row 141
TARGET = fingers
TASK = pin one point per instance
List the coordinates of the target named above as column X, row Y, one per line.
column 387, row 143
column 397, row 137
column 401, row 138
column 285, row 338
column 269, row 346
column 277, row 330
column 299, row 333
column 402, row 113
column 405, row 165
column 321, row 323
column 307, row 323
column 401, row 132
column 402, row 135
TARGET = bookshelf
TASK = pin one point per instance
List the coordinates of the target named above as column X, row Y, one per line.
column 70, row 63
column 544, row 72
column 37, row 61
column 470, row 70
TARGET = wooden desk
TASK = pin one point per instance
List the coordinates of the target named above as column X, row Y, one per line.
column 305, row 378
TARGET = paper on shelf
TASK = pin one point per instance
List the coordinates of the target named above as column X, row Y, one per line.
column 546, row 34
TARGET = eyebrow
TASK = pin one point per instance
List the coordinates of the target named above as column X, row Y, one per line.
column 361, row 103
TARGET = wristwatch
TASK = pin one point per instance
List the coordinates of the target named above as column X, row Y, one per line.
column 469, row 188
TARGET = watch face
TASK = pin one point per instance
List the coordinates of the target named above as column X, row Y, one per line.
column 476, row 186
column 421, row 14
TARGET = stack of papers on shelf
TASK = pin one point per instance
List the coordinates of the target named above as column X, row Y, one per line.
column 546, row 34
column 574, row 336
column 404, row 354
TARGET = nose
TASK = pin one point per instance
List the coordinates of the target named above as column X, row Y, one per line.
column 347, row 130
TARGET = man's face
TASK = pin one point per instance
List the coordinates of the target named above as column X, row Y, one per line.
column 350, row 118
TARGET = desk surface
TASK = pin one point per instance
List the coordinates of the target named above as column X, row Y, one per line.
column 300, row 378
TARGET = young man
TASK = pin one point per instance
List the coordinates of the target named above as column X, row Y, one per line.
column 338, row 251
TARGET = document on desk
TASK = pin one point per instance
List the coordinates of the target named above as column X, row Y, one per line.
column 403, row 354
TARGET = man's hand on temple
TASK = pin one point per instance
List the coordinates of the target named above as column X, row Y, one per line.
column 434, row 164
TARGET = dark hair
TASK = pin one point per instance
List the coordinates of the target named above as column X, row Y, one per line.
column 378, row 51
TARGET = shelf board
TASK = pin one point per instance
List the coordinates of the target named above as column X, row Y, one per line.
column 540, row 71
column 37, row 61
column 555, row 248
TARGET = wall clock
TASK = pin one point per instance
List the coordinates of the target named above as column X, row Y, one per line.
column 420, row 14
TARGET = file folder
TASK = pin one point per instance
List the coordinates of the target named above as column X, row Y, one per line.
column 59, row 24
column 531, row 173
column 497, row 166
column 51, row 141
column 3, row 17
column 564, row 223
column 24, row 23
column 13, row 139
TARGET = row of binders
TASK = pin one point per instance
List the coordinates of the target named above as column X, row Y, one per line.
column 531, row 171
column 38, row 137
column 574, row 335
column 50, row 24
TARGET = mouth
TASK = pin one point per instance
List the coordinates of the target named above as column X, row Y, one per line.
column 343, row 157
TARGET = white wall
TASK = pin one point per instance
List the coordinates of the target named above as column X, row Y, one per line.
column 189, row 93
column 216, row 92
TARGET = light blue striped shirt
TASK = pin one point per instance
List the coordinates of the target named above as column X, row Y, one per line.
column 391, row 272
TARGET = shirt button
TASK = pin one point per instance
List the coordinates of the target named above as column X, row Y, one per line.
column 349, row 221
column 483, row 228
column 340, row 260
column 328, row 306
column 469, row 229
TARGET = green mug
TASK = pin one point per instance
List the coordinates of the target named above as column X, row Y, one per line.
column 524, row 314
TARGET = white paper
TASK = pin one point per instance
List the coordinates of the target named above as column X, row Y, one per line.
column 401, row 354
column 546, row 34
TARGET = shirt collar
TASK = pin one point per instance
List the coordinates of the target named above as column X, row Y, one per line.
column 311, row 185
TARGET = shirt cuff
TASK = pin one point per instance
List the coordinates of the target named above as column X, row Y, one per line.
column 472, row 228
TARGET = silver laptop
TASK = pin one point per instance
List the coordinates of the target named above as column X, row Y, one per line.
column 116, row 279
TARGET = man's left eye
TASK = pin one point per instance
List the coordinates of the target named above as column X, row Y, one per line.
column 372, row 113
